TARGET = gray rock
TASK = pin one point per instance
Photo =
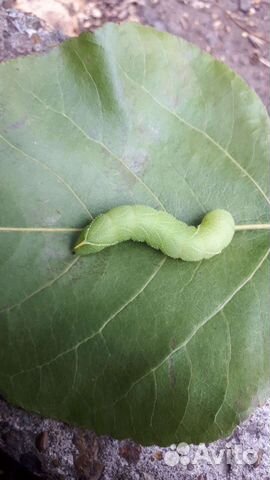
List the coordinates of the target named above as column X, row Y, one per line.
column 245, row 5
column 23, row 34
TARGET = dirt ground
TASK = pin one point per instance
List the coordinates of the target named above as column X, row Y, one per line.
column 235, row 31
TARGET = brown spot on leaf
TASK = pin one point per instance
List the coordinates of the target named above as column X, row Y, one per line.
column 19, row 124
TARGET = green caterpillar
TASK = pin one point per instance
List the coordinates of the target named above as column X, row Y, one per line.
column 160, row 230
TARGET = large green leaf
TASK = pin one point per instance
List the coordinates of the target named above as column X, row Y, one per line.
column 128, row 342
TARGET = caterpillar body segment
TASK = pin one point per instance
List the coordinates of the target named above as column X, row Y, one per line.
column 159, row 230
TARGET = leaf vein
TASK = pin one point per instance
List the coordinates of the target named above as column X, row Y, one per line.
column 97, row 142
column 201, row 132
column 50, row 170
column 100, row 330
column 195, row 331
column 43, row 287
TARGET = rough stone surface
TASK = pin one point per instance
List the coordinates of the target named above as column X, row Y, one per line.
column 53, row 450
column 70, row 453
column 23, row 34
column 221, row 27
